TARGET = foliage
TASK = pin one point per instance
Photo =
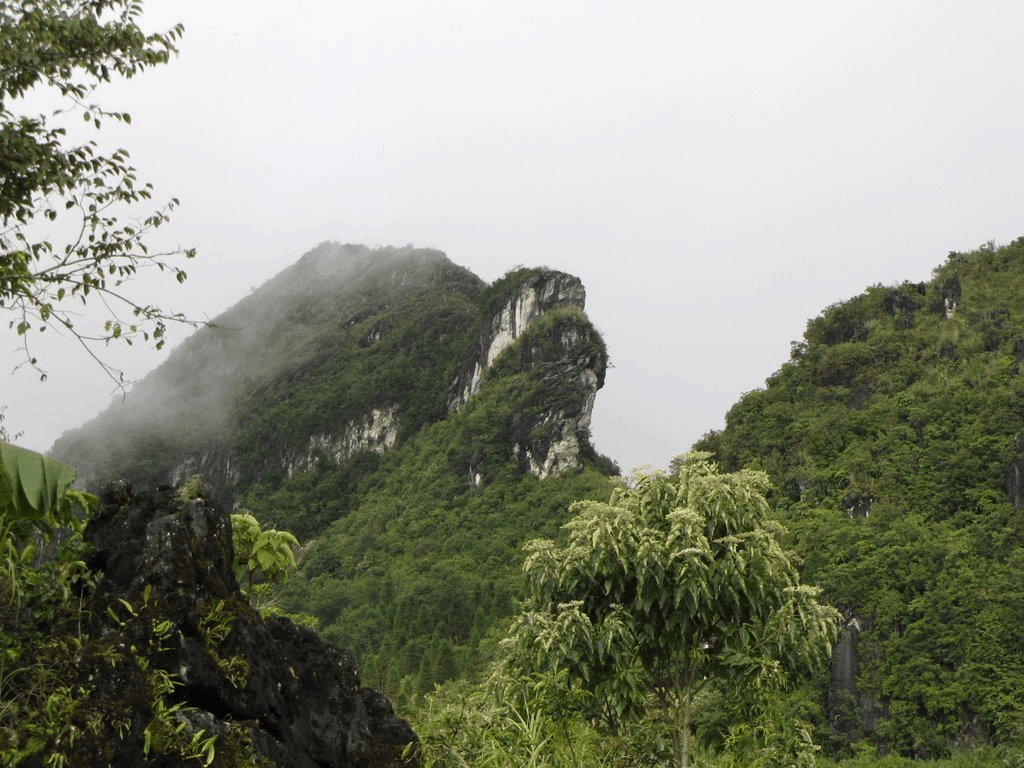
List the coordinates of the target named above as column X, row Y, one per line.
column 6, row 436
column 981, row 757
column 169, row 730
column 538, row 719
column 71, row 49
column 462, row 725
column 215, row 625
column 674, row 585
column 38, row 589
column 263, row 557
column 36, row 496
column 196, row 487
column 36, row 504
column 415, row 577
column 893, row 439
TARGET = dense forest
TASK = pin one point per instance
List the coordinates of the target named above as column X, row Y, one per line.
column 894, row 437
column 883, row 464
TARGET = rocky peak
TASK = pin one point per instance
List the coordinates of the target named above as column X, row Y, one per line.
column 540, row 327
column 571, row 362
column 351, row 351
column 537, row 294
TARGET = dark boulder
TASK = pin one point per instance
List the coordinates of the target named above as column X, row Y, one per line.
column 175, row 655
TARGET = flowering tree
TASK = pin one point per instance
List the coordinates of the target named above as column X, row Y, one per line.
column 676, row 584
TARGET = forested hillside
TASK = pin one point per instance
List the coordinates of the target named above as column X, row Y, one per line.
column 895, row 439
column 416, row 427
column 413, row 425
column 344, row 329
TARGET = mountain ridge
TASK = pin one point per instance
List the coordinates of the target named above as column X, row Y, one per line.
column 285, row 330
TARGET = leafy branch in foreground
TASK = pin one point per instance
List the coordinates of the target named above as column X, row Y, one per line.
column 68, row 49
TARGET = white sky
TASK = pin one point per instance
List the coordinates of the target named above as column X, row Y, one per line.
column 716, row 172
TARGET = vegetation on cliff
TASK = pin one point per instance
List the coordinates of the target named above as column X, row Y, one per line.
column 893, row 437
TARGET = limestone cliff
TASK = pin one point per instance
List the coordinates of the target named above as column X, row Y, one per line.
column 535, row 295
column 375, row 431
column 565, row 356
column 341, row 360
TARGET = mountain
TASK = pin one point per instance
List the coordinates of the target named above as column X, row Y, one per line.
column 895, row 439
column 349, row 351
column 413, row 425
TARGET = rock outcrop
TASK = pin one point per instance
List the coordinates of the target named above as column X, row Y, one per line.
column 852, row 712
column 565, row 357
column 536, row 295
column 569, row 361
column 376, row 431
column 174, row 655
column 213, row 463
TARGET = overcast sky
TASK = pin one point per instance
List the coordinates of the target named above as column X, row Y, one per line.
column 716, row 172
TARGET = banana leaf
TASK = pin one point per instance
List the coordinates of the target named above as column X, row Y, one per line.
column 35, row 493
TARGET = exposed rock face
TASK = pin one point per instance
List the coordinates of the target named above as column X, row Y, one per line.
column 571, row 362
column 213, row 463
column 172, row 633
column 951, row 291
column 858, row 505
column 538, row 294
column 566, row 358
column 376, row 431
column 851, row 711
column 1014, row 484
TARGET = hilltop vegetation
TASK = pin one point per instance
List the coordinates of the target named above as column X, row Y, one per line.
column 894, row 437
column 343, row 329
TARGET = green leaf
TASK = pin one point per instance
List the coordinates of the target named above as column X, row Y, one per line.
column 32, row 487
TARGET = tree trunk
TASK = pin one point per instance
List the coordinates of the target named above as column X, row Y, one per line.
column 684, row 757
column 684, row 714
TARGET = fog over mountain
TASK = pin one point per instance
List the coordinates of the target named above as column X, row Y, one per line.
column 355, row 350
